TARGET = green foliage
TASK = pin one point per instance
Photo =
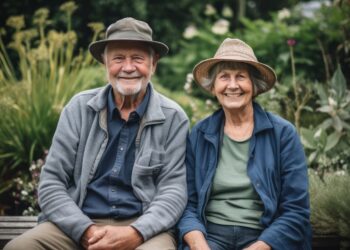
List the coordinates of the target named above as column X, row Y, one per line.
column 322, row 141
column 195, row 108
column 330, row 203
column 32, row 94
column 198, row 43
column 335, row 101
column 320, row 144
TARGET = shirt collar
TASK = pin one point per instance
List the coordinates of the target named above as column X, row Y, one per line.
column 140, row 110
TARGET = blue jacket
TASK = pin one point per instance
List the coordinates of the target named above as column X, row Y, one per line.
column 276, row 167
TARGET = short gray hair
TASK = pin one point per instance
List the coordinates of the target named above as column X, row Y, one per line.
column 259, row 85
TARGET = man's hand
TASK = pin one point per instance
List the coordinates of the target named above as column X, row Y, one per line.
column 114, row 237
column 89, row 233
column 196, row 241
column 259, row 245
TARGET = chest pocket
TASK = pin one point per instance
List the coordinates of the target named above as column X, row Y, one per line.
column 146, row 170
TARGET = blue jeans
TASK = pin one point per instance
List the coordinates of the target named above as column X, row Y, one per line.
column 221, row 237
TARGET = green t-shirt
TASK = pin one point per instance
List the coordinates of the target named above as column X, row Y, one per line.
column 233, row 200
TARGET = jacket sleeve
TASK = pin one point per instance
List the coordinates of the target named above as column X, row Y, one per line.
column 170, row 197
column 57, row 177
column 291, row 225
column 190, row 219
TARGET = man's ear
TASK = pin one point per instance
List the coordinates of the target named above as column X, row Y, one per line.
column 155, row 62
column 103, row 57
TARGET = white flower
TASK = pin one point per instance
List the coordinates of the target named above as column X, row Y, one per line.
column 283, row 14
column 190, row 32
column 187, row 87
column 24, row 193
column 189, row 77
column 208, row 102
column 188, row 84
column 227, row 12
column 209, row 10
column 220, row 27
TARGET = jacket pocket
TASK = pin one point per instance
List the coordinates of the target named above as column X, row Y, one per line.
column 146, row 170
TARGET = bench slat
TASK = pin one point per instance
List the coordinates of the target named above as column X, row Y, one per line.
column 18, row 218
column 17, row 224
column 10, row 231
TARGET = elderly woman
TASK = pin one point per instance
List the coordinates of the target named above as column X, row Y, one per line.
column 247, row 173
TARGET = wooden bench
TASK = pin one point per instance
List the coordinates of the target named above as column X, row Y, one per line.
column 12, row 226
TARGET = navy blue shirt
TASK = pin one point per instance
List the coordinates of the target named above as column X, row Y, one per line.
column 110, row 193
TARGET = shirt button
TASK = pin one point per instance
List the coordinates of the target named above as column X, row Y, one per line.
column 113, row 207
column 258, row 184
column 121, row 149
column 114, row 170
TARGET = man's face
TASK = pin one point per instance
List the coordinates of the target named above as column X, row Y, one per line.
column 130, row 66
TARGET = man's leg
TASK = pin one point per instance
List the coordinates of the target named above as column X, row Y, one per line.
column 45, row 236
column 163, row 241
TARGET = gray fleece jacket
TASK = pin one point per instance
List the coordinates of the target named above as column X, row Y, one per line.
column 158, row 176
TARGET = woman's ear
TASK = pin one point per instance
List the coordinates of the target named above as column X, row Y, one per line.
column 212, row 89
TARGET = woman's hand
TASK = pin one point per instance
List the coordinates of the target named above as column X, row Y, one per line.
column 259, row 245
column 196, row 241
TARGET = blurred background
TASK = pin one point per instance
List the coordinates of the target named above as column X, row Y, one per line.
column 44, row 61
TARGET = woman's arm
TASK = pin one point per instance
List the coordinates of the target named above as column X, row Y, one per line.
column 196, row 240
column 291, row 226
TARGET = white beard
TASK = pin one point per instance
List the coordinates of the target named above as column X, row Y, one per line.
column 128, row 90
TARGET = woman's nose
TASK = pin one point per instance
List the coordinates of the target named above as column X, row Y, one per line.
column 232, row 83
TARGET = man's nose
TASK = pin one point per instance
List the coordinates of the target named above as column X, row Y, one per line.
column 128, row 66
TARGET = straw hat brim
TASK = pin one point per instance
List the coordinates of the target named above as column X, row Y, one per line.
column 97, row 48
column 201, row 70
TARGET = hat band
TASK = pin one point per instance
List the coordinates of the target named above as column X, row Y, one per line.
column 128, row 35
column 236, row 56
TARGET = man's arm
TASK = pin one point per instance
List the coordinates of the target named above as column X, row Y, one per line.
column 190, row 221
column 57, row 177
column 170, row 183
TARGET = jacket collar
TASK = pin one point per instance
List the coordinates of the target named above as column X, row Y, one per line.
column 215, row 122
column 153, row 111
column 261, row 119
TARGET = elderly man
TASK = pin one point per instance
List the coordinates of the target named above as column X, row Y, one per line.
column 115, row 177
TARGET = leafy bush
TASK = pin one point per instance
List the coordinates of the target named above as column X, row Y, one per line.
column 328, row 142
column 48, row 72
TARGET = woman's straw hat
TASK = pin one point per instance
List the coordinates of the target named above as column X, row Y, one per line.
column 234, row 50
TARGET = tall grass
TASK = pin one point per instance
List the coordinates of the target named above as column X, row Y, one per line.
column 48, row 71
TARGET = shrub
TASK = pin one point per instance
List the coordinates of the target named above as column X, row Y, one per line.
column 26, row 190
column 330, row 203
column 48, row 72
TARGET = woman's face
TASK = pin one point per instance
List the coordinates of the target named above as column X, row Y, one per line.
column 233, row 88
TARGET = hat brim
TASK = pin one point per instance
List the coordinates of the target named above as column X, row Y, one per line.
column 97, row 48
column 201, row 70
